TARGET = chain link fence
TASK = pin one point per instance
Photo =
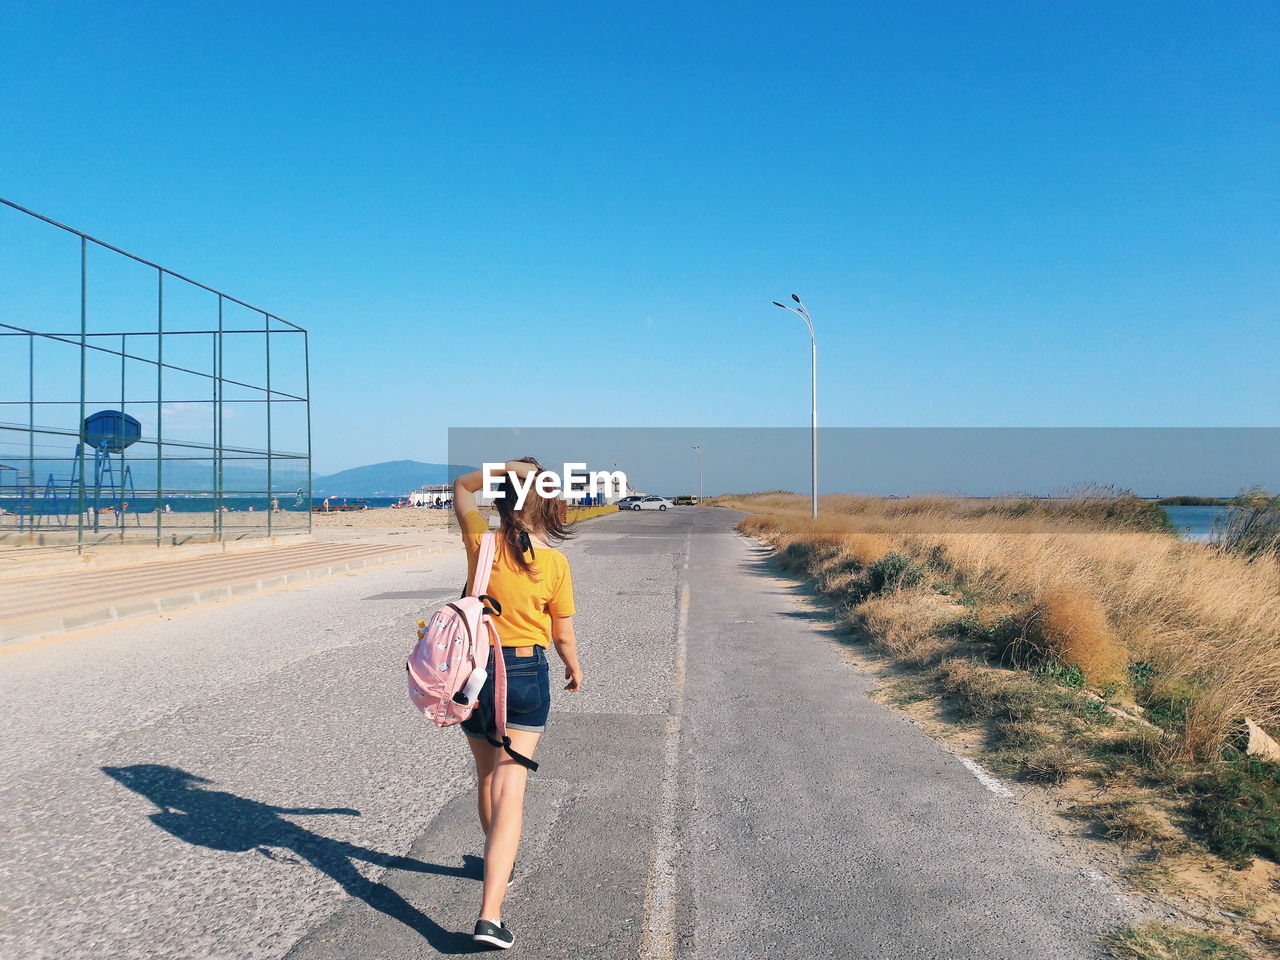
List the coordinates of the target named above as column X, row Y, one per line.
column 139, row 406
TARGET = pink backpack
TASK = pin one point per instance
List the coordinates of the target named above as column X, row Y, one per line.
column 447, row 666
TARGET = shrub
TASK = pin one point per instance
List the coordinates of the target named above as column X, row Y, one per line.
column 1237, row 809
column 844, row 579
column 1000, row 633
column 1068, row 674
column 1133, row 825
column 1129, row 822
column 864, row 549
column 1022, row 734
column 982, row 692
column 894, row 571
column 1194, row 712
column 1070, row 625
column 1095, row 711
column 1141, row 674
column 804, row 554
column 1094, row 507
column 974, row 689
column 906, row 623
column 1140, row 753
column 1253, row 525
column 1050, row 765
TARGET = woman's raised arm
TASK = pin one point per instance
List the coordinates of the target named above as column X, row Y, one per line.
column 468, row 485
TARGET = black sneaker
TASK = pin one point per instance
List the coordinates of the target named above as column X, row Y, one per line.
column 497, row 935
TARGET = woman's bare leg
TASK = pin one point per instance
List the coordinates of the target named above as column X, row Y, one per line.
column 486, row 758
column 507, row 818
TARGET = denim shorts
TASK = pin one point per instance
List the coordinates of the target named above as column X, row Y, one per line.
column 528, row 695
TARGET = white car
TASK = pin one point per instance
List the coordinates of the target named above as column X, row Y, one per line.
column 651, row 503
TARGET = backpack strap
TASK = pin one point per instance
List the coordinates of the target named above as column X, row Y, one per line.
column 500, row 702
column 484, row 564
column 480, row 583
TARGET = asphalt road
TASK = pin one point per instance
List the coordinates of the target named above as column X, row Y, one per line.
column 248, row 781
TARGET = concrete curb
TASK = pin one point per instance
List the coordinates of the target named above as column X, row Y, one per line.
column 37, row 627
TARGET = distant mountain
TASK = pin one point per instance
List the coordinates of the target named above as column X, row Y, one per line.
column 392, row 479
column 179, row 476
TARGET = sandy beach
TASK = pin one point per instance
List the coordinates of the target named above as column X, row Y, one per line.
column 179, row 528
column 408, row 517
column 142, row 523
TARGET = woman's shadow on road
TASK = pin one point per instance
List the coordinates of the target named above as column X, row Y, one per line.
column 223, row 821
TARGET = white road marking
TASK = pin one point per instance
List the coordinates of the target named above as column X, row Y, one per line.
column 985, row 778
column 659, row 936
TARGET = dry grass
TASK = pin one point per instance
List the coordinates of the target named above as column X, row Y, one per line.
column 1074, row 627
column 1086, row 652
column 1079, row 584
column 1163, row 941
column 1130, row 821
column 1051, row 764
column 905, row 623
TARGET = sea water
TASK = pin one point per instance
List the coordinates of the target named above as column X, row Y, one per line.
column 289, row 502
column 1196, row 523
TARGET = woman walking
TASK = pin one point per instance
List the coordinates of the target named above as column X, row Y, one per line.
column 531, row 581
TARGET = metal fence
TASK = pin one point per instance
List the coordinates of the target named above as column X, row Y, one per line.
column 137, row 405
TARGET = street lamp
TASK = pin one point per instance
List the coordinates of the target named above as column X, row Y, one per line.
column 699, row 449
column 800, row 311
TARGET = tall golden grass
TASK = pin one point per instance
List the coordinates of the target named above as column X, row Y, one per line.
column 1085, row 586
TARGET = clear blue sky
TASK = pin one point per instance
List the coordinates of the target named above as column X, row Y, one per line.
column 999, row 214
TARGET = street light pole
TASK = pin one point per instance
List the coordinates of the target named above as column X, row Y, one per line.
column 699, row 449
column 800, row 311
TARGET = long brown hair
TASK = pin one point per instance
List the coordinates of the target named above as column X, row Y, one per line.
column 544, row 517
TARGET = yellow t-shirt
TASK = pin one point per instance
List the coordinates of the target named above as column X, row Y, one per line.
column 527, row 603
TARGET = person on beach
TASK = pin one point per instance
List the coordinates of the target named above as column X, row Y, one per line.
column 531, row 581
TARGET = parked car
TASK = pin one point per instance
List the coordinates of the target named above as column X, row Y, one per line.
column 685, row 500
column 626, row 503
column 651, row 503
